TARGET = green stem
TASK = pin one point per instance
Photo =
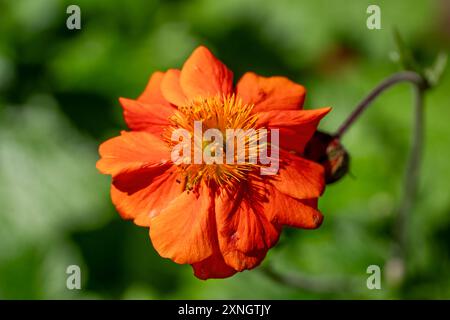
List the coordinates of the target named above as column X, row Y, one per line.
column 404, row 76
column 411, row 180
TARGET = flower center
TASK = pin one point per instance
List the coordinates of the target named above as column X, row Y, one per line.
column 222, row 141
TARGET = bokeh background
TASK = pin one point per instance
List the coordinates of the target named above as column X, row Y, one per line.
column 59, row 92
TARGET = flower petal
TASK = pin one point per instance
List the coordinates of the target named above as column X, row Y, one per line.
column 140, row 116
column 152, row 93
column 132, row 151
column 272, row 93
column 213, row 267
column 245, row 234
column 146, row 201
column 282, row 209
column 241, row 261
column 204, row 75
column 296, row 127
column 182, row 231
column 171, row 89
column 298, row 177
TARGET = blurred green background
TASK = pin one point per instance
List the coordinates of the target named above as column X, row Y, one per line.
column 58, row 101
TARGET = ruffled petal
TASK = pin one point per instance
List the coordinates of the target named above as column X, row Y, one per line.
column 132, row 151
column 282, row 209
column 171, row 89
column 140, row 116
column 144, row 198
column 241, row 261
column 296, row 127
column 245, row 234
column 152, row 93
column 298, row 177
column 272, row 93
column 213, row 267
column 182, row 231
column 204, row 75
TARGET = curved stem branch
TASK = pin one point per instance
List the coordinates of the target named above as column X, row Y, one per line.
column 404, row 76
column 396, row 261
column 410, row 183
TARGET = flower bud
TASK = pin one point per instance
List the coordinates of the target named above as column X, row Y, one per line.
column 327, row 150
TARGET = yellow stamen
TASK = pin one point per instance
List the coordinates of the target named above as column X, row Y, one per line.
column 221, row 113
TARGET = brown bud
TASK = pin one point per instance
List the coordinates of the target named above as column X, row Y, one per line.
column 327, row 150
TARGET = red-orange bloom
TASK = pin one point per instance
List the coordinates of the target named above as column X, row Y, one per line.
column 221, row 219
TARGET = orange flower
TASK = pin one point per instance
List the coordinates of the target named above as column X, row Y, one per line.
column 219, row 218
